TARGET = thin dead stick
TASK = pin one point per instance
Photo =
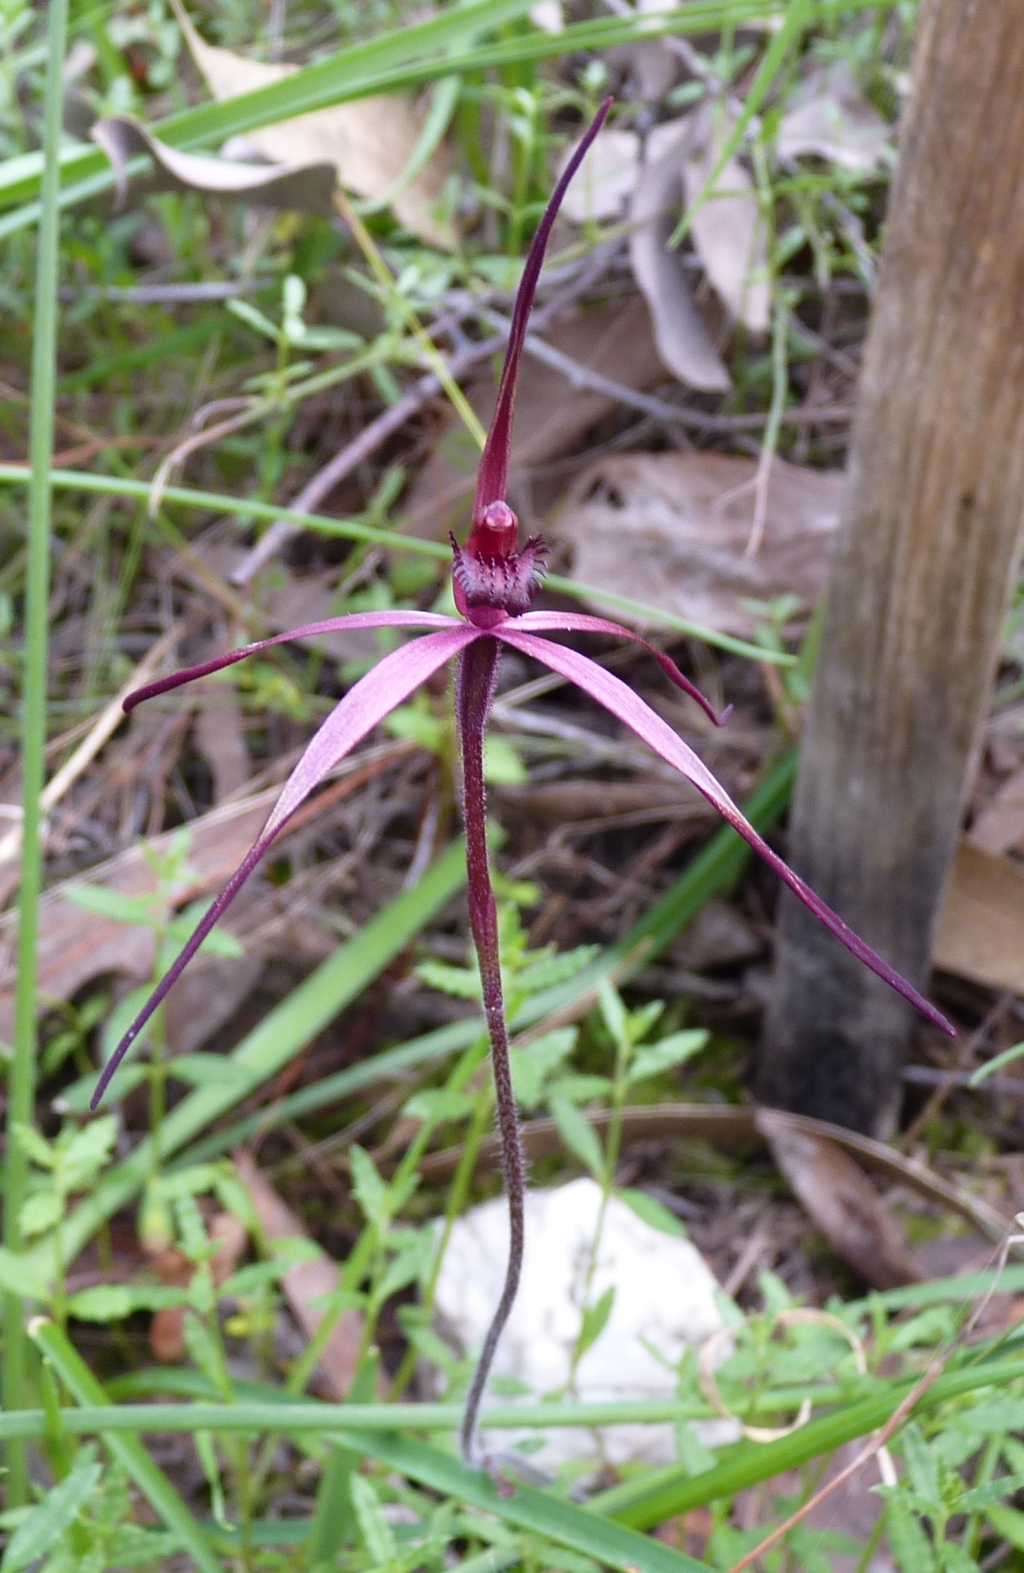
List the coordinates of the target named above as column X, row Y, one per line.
column 892, row 1425
column 201, row 439
column 355, row 452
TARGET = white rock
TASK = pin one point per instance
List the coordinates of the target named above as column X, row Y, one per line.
column 664, row 1302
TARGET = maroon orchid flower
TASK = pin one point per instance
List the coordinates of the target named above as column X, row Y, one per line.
column 494, row 584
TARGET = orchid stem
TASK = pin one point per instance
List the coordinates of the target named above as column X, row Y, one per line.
column 474, row 690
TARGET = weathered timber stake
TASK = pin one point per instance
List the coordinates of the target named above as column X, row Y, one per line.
column 927, row 548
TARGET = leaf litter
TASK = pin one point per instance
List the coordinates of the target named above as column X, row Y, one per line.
column 611, row 854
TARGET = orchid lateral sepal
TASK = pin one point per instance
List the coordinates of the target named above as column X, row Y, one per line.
column 366, row 704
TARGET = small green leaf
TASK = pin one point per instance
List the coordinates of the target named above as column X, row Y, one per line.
column 247, row 313
column 38, row 1148
column 578, row 1135
column 23, row 1274
column 40, row 1531
column 435, row 1104
column 370, row 1191
column 595, row 1320
column 502, row 763
column 374, row 1529
column 670, row 1052
column 114, row 1302
column 652, row 1212
column 922, row 1469
column 86, row 1152
column 985, row 1496
column 614, row 1012
column 417, row 724
column 580, row 1089
column 40, row 1212
column 908, row 1541
column 534, row 1062
column 1008, row 1522
column 461, row 982
column 138, row 911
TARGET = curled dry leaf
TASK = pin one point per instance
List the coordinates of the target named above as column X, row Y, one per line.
column 671, row 529
column 727, row 228
column 981, row 926
column 836, row 1193
column 371, row 143
column 683, row 340
column 830, row 118
column 306, row 187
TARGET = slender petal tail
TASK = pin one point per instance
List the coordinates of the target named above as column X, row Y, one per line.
column 474, row 689
column 366, row 703
column 622, row 702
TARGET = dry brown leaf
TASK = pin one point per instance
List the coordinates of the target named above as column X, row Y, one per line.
column 606, row 177
column 1000, row 826
column 981, row 927
column 369, row 142
column 219, row 734
column 671, row 529
column 76, row 946
column 683, row 340
column 306, row 187
column 173, row 1267
column 727, row 229
column 306, row 1282
column 830, row 118
column 838, row 1196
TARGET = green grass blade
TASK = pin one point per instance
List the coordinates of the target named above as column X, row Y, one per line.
column 128, row 1451
column 712, row 871
column 663, row 1493
column 357, row 72
column 276, row 1041
column 260, row 1407
column 608, row 1543
column 248, row 509
column 21, row 1075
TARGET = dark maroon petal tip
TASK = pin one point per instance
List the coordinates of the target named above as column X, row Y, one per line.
column 203, row 928
column 492, row 479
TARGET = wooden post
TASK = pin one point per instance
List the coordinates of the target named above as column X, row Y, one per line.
column 926, row 552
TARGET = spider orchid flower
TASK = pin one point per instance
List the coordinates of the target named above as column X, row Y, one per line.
column 494, row 585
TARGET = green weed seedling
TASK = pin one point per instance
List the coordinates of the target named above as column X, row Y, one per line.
column 163, row 913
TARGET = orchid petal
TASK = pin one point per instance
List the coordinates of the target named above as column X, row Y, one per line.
column 492, row 478
column 330, row 625
column 616, row 697
column 373, row 697
column 579, row 622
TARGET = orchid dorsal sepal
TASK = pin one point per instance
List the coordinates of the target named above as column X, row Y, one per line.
column 492, row 476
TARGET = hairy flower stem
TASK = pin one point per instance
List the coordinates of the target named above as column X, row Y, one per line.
column 474, row 689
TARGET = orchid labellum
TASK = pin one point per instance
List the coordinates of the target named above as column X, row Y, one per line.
column 495, row 581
